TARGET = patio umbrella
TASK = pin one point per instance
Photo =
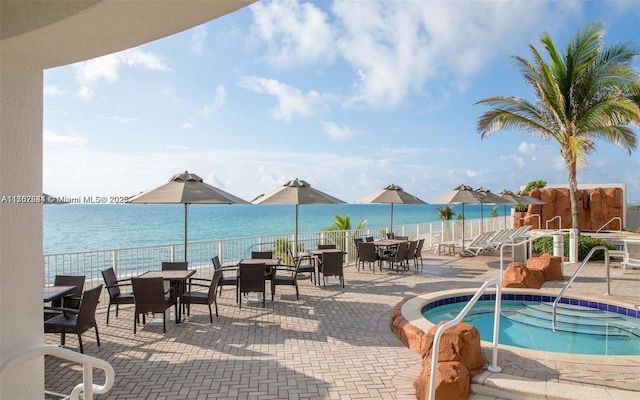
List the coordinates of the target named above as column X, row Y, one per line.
column 297, row 192
column 488, row 198
column 462, row 194
column 392, row 194
column 186, row 189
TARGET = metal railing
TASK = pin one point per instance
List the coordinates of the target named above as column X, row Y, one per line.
column 573, row 277
column 521, row 243
column 87, row 387
column 134, row 261
column 610, row 221
column 496, row 331
column 559, row 218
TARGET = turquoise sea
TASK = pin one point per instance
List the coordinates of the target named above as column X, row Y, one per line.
column 84, row 227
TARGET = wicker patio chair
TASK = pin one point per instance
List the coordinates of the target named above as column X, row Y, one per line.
column 116, row 295
column 285, row 275
column 202, row 297
column 331, row 266
column 77, row 321
column 251, row 278
column 367, row 253
column 152, row 297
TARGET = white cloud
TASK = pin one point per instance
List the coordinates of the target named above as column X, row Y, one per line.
column 54, row 90
column 291, row 101
column 176, row 147
column 186, row 125
column 197, row 39
column 107, row 68
column 49, row 137
column 123, row 120
column 514, row 158
column 336, row 132
column 218, row 102
column 296, row 34
column 397, row 47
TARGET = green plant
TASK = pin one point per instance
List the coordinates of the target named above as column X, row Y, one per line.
column 585, row 244
column 460, row 216
column 445, row 213
column 494, row 212
column 585, row 93
column 539, row 184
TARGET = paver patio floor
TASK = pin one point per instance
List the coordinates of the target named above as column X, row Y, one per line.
column 333, row 343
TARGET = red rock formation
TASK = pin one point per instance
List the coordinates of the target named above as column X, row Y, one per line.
column 550, row 266
column 459, row 358
column 518, row 275
column 597, row 207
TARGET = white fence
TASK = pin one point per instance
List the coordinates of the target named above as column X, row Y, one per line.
column 133, row 261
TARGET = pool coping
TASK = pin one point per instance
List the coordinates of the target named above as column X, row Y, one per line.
column 411, row 310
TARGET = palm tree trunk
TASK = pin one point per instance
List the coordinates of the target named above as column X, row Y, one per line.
column 573, row 196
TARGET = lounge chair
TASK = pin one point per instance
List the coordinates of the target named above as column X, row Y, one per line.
column 631, row 257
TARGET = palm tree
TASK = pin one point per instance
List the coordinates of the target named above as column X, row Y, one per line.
column 588, row 92
column 445, row 213
column 343, row 223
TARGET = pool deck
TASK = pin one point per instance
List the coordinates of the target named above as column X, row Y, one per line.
column 333, row 343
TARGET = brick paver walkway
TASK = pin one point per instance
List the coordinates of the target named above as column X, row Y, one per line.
column 333, row 343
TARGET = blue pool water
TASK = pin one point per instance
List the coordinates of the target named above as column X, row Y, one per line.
column 582, row 327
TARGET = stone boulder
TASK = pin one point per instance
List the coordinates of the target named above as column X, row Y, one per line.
column 550, row 266
column 452, row 381
column 518, row 275
column 459, row 358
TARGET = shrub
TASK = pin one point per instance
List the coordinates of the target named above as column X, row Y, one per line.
column 585, row 244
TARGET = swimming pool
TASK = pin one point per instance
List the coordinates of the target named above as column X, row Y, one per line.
column 583, row 326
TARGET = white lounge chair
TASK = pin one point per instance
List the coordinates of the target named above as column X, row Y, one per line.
column 631, row 257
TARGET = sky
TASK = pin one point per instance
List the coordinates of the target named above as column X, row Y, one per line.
column 350, row 96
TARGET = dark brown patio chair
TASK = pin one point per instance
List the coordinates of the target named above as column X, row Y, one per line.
column 77, row 321
column 305, row 267
column 262, row 255
column 331, row 266
column 367, row 253
column 152, row 297
column 397, row 257
column 251, row 278
column 176, row 266
column 418, row 255
column 410, row 254
column 229, row 275
column 72, row 299
column 202, row 297
column 326, row 246
column 116, row 295
column 285, row 275
column 369, row 239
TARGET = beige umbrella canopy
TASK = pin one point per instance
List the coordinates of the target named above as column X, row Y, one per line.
column 489, row 198
column 392, row 194
column 517, row 198
column 297, row 192
column 186, row 188
column 462, row 194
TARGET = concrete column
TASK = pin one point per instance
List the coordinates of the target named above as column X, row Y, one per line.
column 21, row 261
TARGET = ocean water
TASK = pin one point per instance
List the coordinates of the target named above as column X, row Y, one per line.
column 85, row 227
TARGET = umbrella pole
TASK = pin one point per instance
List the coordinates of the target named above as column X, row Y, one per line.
column 462, row 228
column 186, row 228
column 391, row 219
column 481, row 218
column 504, row 206
column 295, row 241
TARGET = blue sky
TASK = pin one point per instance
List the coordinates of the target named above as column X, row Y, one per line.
column 348, row 95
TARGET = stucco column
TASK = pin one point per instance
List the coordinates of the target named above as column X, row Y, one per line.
column 21, row 260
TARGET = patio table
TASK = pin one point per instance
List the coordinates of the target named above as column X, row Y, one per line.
column 171, row 275
column 51, row 293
